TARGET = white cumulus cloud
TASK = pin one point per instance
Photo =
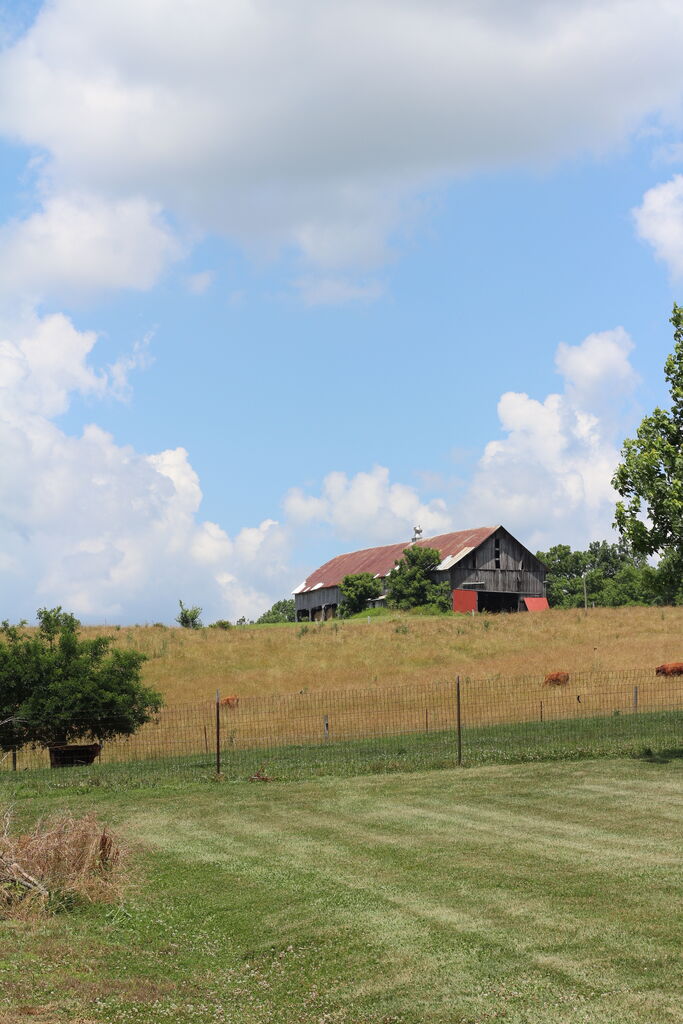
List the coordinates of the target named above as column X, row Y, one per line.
column 312, row 125
column 366, row 506
column 98, row 527
column 76, row 244
column 659, row 221
column 548, row 479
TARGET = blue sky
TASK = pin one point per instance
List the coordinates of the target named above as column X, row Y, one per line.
column 282, row 280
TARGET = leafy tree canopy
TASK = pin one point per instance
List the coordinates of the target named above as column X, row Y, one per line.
column 56, row 687
column 189, row 618
column 612, row 573
column 650, row 477
column 357, row 589
column 410, row 584
column 281, row 611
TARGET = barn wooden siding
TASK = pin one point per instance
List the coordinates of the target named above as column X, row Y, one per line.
column 520, row 571
column 324, row 596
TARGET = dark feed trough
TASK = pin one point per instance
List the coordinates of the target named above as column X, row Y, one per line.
column 70, row 755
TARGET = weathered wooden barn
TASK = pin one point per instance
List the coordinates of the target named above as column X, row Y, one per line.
column 486, row 568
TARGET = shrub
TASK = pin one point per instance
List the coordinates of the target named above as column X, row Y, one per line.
column 434, row 608
column 281, row 611
column 188, row 618
column 357, row 589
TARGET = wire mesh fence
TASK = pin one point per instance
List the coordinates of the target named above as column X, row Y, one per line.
column 459, row 721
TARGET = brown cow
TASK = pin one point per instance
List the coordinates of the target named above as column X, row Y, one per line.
column 671, row 668
column 230, row 702
column 556, row 679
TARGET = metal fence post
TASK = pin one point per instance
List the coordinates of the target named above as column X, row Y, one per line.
column 635, row 698
column 218, row 733
column 458, row 719
column 326, row 727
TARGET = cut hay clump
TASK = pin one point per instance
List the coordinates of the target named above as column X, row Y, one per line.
column 62, row 862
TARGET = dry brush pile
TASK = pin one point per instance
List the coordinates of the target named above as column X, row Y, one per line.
column 61, row 862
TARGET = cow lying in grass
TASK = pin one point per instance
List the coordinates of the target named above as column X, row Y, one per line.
column 671, row 668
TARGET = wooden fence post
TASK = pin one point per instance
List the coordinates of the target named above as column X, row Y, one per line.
column 218, row 733
column 458, row 719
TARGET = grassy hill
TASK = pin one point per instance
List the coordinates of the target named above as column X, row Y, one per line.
column 534, row 894
column 394, row 648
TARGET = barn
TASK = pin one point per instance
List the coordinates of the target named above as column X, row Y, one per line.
column 486, row 568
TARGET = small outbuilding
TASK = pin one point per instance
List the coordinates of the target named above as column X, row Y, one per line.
column 486, row 568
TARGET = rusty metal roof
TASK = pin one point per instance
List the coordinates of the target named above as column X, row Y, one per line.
column 380, row 561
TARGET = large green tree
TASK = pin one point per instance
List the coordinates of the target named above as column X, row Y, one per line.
column 56, row 686
column 410, row 584
column 611, row 573
column 649, row 478
column 357, row 589
column 281, row 611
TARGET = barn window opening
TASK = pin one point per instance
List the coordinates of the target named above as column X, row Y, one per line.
column 496, row 552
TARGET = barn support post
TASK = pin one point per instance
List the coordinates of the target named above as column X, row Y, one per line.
column 218, row 733
column 458, row 720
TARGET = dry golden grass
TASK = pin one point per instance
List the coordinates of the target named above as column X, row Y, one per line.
column 188, row 666
column 391, row 675
column 61, row 859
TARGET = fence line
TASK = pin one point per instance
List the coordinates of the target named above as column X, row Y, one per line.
column 442, row 723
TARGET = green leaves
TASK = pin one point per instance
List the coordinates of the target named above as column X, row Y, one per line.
column 281, row 611
column 613, row 575
column 650, row 477
column 56, row 687
column 357, row 589
column 189, row 618
column 410, row 584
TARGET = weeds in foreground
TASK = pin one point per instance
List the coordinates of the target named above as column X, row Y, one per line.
column 62, row 862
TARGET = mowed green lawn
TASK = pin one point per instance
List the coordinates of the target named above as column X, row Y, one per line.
column 518, row 893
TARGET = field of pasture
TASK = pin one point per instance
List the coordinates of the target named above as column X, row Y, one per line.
column 396, row 649
column 529, row 894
